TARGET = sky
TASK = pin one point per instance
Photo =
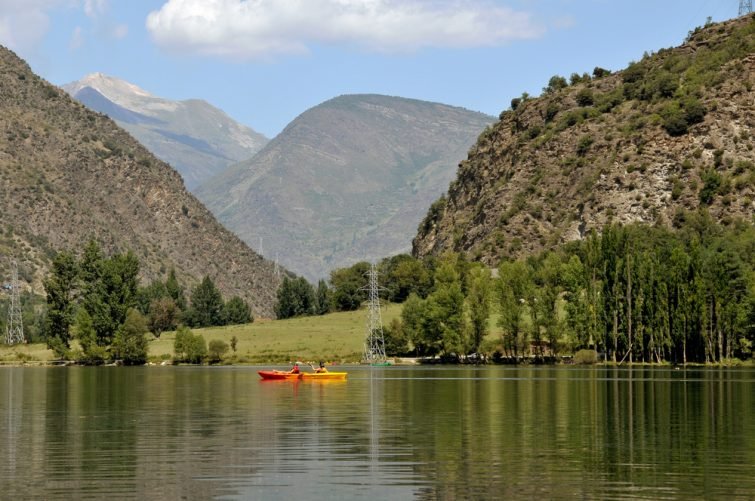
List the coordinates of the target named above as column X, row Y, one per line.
column 264, row 62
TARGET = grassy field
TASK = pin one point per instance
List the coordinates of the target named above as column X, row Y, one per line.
column 337, row 337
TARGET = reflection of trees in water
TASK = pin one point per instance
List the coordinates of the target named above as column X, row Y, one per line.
column 562, row 432
column 444, row 432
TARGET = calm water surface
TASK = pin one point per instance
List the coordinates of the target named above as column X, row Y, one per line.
column 386, row 433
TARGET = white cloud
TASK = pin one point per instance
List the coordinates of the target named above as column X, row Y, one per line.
column 77, row 39
column 95, row 8
column 261, row 28
column 23, row 23
column 119, row 31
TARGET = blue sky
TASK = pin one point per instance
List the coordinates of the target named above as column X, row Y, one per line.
column 266, row 61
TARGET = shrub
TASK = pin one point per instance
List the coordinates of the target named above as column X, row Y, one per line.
column 674, row 119
column 555, row 84
column 694, row 111
column 188, row 347
column 599, row 72
column 585, row 97
column 711, row 183
column 583, row 146
column 217, row 349
column 586, row 357
column 551, row 111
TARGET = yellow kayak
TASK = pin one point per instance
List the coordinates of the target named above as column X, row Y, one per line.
column 323, row 375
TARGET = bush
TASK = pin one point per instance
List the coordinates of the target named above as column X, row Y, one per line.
column 217, row 349
column 599, row 72
column 555, row 84
column 711, row 183
column 694, row 111
column 674, row 119
column 188, row 347
column 585, row 97
column 586, row 357
column 551, row 111
column 584, row 145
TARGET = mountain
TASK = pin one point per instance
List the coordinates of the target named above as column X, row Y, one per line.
column 197, row 139
column 69, row 174
column 670, row 133
column 347, row 180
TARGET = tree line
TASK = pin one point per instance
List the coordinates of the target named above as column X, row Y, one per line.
column 97, row 300
column 633, row 293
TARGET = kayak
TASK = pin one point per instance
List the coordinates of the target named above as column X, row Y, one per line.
column 323, row 375
column 275, row 374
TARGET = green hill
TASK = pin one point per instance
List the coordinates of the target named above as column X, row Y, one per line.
column 672, row 132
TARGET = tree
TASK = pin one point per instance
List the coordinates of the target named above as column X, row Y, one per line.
column 348, row 286
column 217, row 349
column 555, row 84
column 60, row 287
column 412, row 319
column 111, row 293
column 296, row 297
column 147, row 295
column 130, row 344
column 395, row 340
column 544, row 302
column 513, row 288
column 322, row 298
column 236, row 311
column 188, row 347
column 83, row 329
column 403, row 274
column 206, row 305
column 444, row 327
column 175, row 291
column 163, row 314
column 478, row 299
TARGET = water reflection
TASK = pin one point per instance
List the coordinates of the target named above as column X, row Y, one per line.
column 388, row 433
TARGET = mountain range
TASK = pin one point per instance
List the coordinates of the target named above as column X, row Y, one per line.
column 196, row 138
column 346, row 181
column 671, row 133
column 69, row 174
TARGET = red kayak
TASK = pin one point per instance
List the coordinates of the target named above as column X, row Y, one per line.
column 275, row 374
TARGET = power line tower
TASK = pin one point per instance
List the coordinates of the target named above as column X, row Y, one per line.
column 14, row 332
column 374, row 345
column 745, row 7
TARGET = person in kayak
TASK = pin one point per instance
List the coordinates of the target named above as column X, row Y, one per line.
column 321, row 368
column 295, row 370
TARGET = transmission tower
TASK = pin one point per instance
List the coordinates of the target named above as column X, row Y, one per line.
column 14, row 333
column 374, row 345
column 745, row 7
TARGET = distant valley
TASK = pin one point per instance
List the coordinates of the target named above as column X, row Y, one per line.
column 194, row 137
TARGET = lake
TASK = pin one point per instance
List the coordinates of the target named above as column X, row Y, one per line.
column 385, row 433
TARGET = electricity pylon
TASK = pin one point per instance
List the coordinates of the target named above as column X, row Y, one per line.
column 14, row 330
column 745, row 7
column 374, row 345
